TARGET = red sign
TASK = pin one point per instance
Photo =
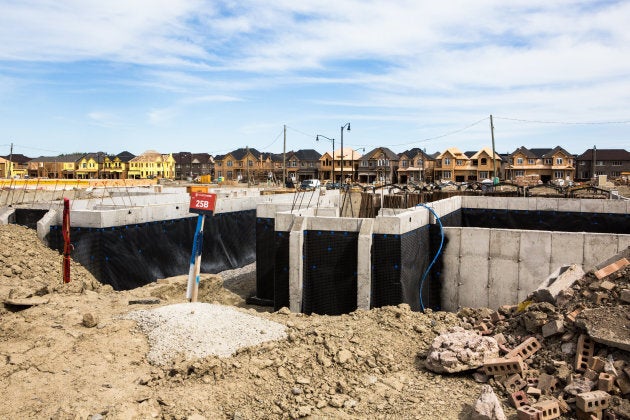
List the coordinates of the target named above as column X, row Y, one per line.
column 202, row 203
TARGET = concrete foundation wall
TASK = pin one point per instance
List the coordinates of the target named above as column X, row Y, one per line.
column 546, row 204
column 494, row 267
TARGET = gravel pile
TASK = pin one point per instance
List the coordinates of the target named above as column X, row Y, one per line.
column 198, row 330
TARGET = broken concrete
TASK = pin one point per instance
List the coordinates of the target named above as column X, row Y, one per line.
column 487, row 406
column 460, row 350
column 561, row 279
column 607, row 325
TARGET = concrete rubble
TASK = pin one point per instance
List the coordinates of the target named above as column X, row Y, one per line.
column 460, row 350
column 564, row 352
column 487, row 406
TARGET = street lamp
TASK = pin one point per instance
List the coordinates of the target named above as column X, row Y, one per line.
column 333, row 154
column 346, row 126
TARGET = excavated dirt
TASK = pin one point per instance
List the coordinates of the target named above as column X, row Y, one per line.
column 72, row 356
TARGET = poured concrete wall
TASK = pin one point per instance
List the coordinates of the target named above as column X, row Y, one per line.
column 494, row 267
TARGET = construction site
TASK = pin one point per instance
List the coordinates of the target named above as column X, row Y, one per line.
column 398, row 301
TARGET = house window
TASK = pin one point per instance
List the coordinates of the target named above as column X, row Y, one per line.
column 447, row 161
column 548, row 161
column 475, row 162
column 484, row 161
column 446, row 174
column 311, row 165
column 84, row 165
column 615, row 173
column 459, row 162
column 519, row 161
column 531, row 161
column 616, row 163
column 600, row 173
column 558, row 161
column 250, row 163
column 558, row 174
column 229, row 164
column 483, row 174
column 582, row 163
column 519, row 173
column 405, row 163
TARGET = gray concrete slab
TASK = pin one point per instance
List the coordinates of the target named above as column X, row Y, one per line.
column 567, row 248
column 364, row 264
column 570, row 205
column 502, row 284
column 533, row 260
column 473, row 270
column 598, row 247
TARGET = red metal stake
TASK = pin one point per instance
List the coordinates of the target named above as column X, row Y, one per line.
column 67, row 246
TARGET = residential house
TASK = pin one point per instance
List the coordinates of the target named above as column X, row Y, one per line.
column 55, row 167
column 609, row 162
column 4, row 167
column 303, row 164
column 89, row 166
column 325, row 166
column 192, row 165
column 547, row 164
column 415, row 166
column 116, row 166
column 454, row 165
column 484, row 166
column 17, row 165
column 379, row 165
column 243, row 165
column 152, row 164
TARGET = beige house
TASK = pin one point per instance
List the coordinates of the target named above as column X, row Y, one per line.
column 152, row 164
column 456, row 166
column 544, row 164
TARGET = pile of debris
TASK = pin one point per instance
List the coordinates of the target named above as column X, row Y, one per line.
column 563, row 352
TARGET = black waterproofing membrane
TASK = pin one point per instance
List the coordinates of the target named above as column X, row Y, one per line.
column 28, row 217
column 330, row 272
column 130, row 256
column 265, row 259
column 562, row 221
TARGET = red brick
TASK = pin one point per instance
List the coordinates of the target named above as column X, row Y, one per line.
column 514, row 383
column 573, row 314
column 592, row 401
column 549, row 409
column 527, row 412
column 605, row 382
column 525, row 349
column 590, row 374
column 584, row 352
column 609, row 269
column 503, row 366
column 519, row 399
column 533, row 391
column 597, row 364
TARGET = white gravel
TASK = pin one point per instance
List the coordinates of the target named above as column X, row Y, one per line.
column 198, row 330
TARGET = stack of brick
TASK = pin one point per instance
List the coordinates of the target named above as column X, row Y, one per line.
column 549, row 366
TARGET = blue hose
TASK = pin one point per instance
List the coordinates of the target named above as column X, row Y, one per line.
column 437, row 254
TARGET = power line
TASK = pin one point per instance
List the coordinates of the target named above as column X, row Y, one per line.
column 450, row 133
column 302, row 132
column 274, row 141
column 563, row 122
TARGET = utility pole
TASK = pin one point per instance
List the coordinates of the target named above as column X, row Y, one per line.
column 284, row 158
column 494, row 162
column 247, row 163
column 10, row 161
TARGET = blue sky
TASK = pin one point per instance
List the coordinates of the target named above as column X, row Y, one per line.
column 212, row 76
